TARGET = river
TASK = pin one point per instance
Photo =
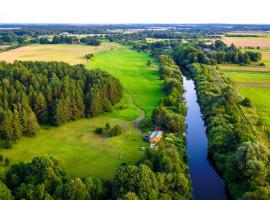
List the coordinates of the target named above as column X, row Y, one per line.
column 206, row 182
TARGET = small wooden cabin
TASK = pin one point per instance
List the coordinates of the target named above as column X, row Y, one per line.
column 156, row 136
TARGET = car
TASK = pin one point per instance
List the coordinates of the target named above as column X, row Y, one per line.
column 152, row 145
column 146, row 138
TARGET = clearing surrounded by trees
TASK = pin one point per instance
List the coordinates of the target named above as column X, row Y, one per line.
column 76, row 142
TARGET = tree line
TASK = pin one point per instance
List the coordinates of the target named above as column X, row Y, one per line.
column 51, row 92
column 65, row 39
column 170, row 115
column 216, row 53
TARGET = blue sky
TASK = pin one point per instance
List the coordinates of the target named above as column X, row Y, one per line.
column 135, row 11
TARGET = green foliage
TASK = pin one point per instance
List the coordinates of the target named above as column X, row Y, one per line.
column 110, row 132
column 91, row 40
column 5, row 193
column 170, row 114
column 52, row 92
column 89, row 56
column 139, row 180
column 246, row 102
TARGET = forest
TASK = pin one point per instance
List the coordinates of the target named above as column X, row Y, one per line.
column 34, row 93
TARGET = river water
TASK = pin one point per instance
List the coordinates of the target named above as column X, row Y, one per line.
column 206, row 182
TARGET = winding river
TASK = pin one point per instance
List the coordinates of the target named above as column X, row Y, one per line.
column 206, row 183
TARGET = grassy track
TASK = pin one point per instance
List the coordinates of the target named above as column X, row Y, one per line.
column 83, row 152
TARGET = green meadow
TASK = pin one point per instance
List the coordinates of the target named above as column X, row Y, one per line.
column 139, row 80
column 76, row 142
column 253, row 82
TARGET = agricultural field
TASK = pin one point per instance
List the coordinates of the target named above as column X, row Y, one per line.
column 72, row 54
column 76, row 142
column 261, row 41
column 253, row 82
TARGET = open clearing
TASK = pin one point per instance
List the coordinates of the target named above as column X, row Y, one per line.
column 76, row 142
column 253, row 82
column 72, row 54
column 142, row 82
column 262, row 42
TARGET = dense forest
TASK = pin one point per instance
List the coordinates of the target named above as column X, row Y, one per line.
column 51, row 92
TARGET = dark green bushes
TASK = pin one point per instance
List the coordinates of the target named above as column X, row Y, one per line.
column 109, row 131
column 170, row 114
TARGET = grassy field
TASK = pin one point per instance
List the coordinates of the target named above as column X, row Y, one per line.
column 129, row 66
column 83, row 152
column 253, row 82
column 73, row 54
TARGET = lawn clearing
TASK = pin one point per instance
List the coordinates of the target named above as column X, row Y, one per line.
column 83, row 152
column 259, row 96
column 254, row 83
column 141, row 81
column 72, row 54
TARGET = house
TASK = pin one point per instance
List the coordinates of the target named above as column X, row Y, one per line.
column 155, row 136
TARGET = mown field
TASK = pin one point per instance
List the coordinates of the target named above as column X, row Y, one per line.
column 253, row 81
column 76, row 142
column 130, row 67
column 262, row 42
column 73, row 54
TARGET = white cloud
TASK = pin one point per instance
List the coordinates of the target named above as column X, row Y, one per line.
column 135, row 11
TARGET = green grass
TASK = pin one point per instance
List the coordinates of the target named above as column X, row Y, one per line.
column 260, row 96
column 253, row 82
column 82, row 151
column 249, row 77
column 130, row 67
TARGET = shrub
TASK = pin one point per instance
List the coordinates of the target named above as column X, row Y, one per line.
column 7, row 161
column 116, row 130
column 1, row 158
column 99, row 130
column 246, row 102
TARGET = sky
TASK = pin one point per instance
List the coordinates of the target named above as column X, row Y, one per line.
column 135, row 11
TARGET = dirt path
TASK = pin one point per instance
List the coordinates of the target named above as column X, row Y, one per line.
column 137, row 121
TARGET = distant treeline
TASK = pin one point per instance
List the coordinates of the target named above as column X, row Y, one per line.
column 51, row 92
column 63, row 39
column 214, row 53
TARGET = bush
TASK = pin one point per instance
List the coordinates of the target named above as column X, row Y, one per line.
column 99, row 130
column 262, row 64
column 246, row 102
column 7, row 161
column 1, row 158
column 108, row 131
column 116, row 130
column 89, row 56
